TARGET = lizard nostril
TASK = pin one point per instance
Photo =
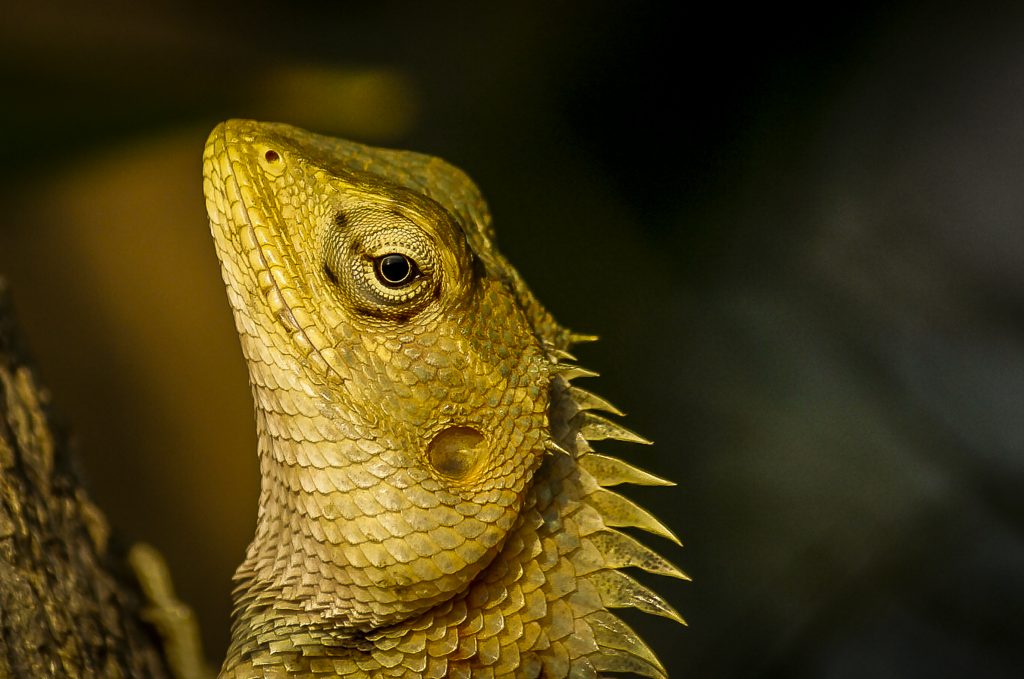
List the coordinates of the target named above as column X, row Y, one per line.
column 456, row 451
column 272, row 156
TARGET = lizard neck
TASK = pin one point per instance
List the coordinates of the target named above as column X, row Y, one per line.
column 351, row 537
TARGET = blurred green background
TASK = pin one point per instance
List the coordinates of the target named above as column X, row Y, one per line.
column 799, row 234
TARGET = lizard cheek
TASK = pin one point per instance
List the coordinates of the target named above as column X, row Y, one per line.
column 456, row 452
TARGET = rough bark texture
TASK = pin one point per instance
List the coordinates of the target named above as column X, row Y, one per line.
column 63, row 611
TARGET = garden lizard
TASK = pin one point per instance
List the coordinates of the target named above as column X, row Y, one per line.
column 430, row 501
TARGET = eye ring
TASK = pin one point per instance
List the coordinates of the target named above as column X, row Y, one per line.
column 395, row 270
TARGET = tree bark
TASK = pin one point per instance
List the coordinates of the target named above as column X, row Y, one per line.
column 68, row 607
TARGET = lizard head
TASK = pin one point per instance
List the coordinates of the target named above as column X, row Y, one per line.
column 408, row 385
column 401, row 380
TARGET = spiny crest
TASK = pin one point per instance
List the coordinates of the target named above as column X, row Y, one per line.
column 575, row 425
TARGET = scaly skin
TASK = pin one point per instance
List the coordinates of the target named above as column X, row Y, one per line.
column 430, row 504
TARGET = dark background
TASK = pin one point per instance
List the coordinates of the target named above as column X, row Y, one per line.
column 800, row 235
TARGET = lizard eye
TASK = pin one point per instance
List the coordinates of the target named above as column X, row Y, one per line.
column 380, row 263
column 395, row 270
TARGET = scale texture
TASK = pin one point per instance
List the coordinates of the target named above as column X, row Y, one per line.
column 431, row 504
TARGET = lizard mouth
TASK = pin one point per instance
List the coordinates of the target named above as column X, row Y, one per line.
column 232, row 173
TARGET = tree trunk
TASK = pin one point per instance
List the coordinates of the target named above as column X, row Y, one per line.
column 68, row 607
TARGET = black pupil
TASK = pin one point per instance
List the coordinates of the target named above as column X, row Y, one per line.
column 394, row 269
